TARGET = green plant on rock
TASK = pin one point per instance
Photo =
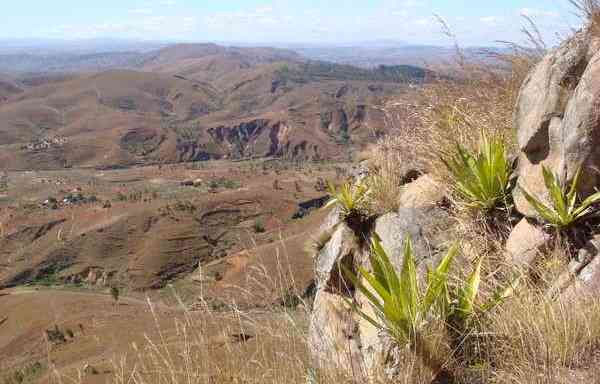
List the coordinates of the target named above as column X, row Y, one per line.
column 352, row 199
column 403, row 309
column 566, row 209
column 480, row 179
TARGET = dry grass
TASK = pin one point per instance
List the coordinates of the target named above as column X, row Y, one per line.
column 471, row 96
column 278, row 356
column 589, row 10
column 537, row 338
column 215, row 347
column 530, row 338
column 458, row 111
column 387, row 172
column 201, row 350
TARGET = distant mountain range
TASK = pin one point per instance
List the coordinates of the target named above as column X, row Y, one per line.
column 81, row 46
column 27, row 55
column 189, row 102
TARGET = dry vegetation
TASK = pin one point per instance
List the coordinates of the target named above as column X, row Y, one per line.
column 477, row 98
column 530, row 338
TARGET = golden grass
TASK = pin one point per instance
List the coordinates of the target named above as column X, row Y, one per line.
column 530, row 338
column 457, row 112
column 386, row 175
column 212, row 348
column 589, row 10
column 537, row 338
column 469, row 97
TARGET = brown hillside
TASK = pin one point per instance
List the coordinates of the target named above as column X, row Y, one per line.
column 210, row 60
column 195, row 102
column 156, row 230
column 7, row 89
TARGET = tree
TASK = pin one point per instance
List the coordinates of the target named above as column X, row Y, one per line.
column 114, row 292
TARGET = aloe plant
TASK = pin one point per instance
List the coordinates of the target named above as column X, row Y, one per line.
column 565, row 209
column 350, row 198
column 403, row 309
column 480, row 179
column 400, row 306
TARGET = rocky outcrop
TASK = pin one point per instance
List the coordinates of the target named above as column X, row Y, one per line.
column 333, row 335
column 582, row 277
column 557, row 118
column 255, row 138
column 525, row 243
column 423, row 192
column 340, row 339
column 241, row 139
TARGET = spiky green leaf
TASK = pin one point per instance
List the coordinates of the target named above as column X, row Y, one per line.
column 468, row 293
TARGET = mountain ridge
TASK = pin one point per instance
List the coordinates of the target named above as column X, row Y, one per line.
column 192, row 102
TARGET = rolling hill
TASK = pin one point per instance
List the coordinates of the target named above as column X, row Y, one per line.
column 8, row 88
column 192, row 102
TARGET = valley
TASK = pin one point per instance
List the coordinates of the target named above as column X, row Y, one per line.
column 195, row 102
column 196, row 239
column 245, row 192
column 190, row 176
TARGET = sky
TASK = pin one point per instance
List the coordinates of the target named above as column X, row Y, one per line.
column 474, row 22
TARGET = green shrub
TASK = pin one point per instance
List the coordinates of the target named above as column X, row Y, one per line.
column 403, row 310
column 27, row 374
column 401, row 307
column 223, row 183
column 481, row 179
column 115, row 293
column 352, row 199
column 565, row 210
column 230, row 184
column 259, row 226
column 3, row 182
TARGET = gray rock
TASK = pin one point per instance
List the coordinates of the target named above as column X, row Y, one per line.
column 525, row 243
column 338, row 337
column 334, row 335
column 581, row 128
column 557, row 118
column 542, row 94
column 340, row 249
column 423, row 192
column 332, row 219
column 393, row 229
column 333, row 330
column 583, row 276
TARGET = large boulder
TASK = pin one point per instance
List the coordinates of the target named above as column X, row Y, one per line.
column 582, row 279
column 333, row 332
column 557, row 118
column 339, row 338
column 423, row 192
column 525, row 243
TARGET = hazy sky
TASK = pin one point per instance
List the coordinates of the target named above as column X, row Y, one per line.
column 475, row 22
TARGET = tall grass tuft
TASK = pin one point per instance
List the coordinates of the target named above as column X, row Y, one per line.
column 536, row 340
